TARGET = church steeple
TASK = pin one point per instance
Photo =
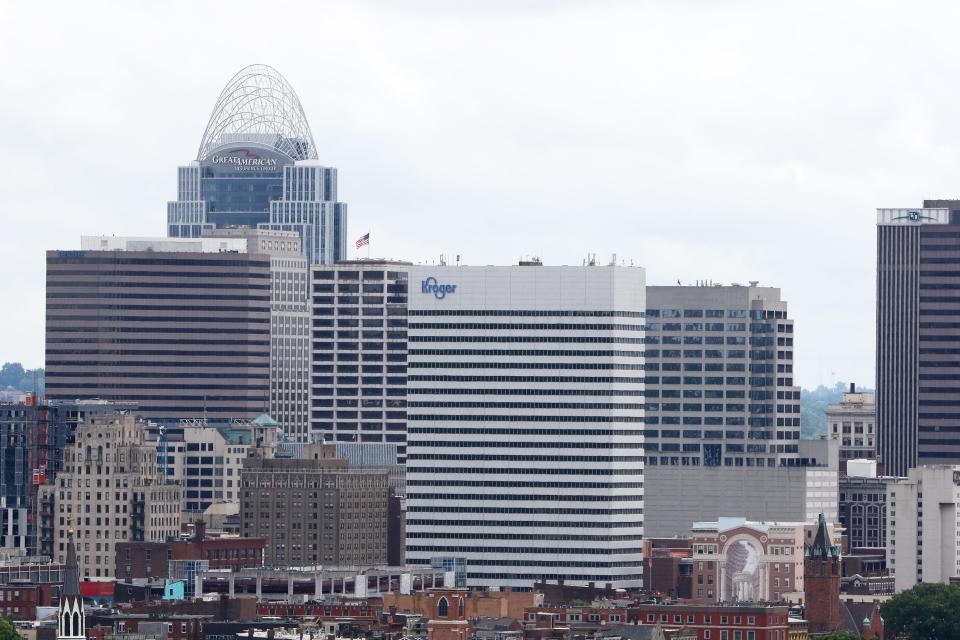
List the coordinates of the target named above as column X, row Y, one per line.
column 72, row 623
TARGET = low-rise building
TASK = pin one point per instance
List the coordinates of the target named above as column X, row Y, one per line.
column 151, row 559
column 738, row 560
column 718, row 622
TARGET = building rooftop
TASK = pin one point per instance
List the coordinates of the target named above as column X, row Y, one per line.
column 259, row 107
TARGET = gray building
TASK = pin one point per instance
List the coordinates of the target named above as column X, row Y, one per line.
column 918, row 336
column 719, row 378
column 675, row 496
column 181, row 328
column 257, row 167
column 359, row 353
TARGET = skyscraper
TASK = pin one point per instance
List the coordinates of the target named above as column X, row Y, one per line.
column 918, row 336
column 359, row 351
column 257, row 167
column 289, row 324
column 525, row 423
column 720, row 386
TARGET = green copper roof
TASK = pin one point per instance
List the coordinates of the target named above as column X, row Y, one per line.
column 263, row 420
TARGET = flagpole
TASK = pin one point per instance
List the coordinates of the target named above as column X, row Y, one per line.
column 368, row 243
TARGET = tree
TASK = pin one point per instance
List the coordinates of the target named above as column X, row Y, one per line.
column 840, row 635
column 7, row 632
column 926, row 612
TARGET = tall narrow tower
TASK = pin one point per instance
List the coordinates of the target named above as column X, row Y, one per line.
column 72, row 625
column 821, row 582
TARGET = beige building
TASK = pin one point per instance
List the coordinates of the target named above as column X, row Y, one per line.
column 735, row 559
column 923, row 530
column 206, row 459
column 289, row 324
column 315, row 511
column 853, row 423
column 110, row 491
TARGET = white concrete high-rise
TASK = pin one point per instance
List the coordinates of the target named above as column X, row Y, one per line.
column 923, row 530
column 525, row 422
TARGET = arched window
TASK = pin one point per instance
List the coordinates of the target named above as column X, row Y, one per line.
column 460, row 608
column 77, row 625
column 443, row 608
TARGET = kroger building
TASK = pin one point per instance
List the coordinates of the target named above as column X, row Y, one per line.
column 257, row 168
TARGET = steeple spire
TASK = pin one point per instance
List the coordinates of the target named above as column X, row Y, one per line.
column 71, row 572
column 72, row 625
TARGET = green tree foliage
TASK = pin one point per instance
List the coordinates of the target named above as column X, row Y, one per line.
column 926, row 612
column 840, row 635
column 7, row 632
column 14, row 376
column 813, row 408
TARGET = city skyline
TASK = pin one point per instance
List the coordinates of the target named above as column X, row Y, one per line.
column 442, row 150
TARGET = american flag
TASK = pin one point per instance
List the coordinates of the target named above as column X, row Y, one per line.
column 362, row 240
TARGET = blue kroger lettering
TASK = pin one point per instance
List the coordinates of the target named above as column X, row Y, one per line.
column 439, row 291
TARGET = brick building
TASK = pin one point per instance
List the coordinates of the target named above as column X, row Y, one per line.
column 20, row 601
column 738, row 560
column 365, row 610
column 668, row 567
column 821, row 568
column 150, row 559
column 450, row 611
column 720, row 622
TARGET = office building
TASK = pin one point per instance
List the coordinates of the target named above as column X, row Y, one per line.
column 359, row 353
column 923, row 533
column 314, row 510
column 111, row 491
column 205, row 460
column 525, row 422
column 32, row 439
column 863, row 509
column 719, row 379
column 179, row 327
column 289, row 324
column 918, row 274
column 853, row 422
column 257, row 168
column 675, row 496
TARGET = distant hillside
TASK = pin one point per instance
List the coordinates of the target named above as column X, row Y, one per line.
column 813, row 406
column 14, row 376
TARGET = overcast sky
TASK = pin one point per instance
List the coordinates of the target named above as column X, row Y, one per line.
column 730, row 141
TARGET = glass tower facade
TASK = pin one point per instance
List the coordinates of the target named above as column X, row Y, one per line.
column 257, row 168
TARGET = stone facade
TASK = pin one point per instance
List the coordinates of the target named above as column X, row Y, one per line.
column 110, row 491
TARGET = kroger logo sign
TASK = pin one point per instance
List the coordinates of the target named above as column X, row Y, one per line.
column 440, row 291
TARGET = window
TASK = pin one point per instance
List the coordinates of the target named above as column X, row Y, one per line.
column 443, row 608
